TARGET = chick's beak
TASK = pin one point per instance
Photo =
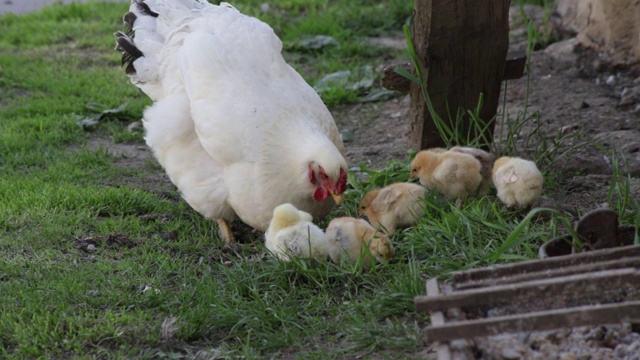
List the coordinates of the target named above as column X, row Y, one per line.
column 336, row 198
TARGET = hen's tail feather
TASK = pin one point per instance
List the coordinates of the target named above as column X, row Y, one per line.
column 130, row 51
column 128, row 19
column 144, row 8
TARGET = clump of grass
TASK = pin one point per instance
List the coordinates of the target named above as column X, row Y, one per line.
column 619, row 196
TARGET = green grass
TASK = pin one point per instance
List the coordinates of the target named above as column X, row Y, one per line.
column 99, row 259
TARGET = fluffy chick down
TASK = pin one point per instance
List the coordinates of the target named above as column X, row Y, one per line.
column 518, row 182
column 486, row 162
column 349, row 238
column 452, row 173
column 292, row 233
column 394, row 206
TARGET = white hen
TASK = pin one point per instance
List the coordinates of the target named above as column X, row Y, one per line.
column 237, row 129
column 292, row 234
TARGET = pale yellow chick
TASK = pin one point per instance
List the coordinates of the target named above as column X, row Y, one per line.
column 454, row 174
column 292, row 234
column 349, row 238
column 396, row 205
column 486, row 161
column 517, row 181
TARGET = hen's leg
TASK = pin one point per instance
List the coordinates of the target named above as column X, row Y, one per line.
column 460, row 202
column 225, row 232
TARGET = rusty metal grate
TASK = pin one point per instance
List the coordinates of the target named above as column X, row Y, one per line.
column 589, row 288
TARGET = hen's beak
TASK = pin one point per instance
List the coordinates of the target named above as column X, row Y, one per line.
column 336, row 198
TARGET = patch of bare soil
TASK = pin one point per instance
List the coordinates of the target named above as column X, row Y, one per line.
column 149, row 176
column 378, row 131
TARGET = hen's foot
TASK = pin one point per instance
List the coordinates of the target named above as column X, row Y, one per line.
column 224, row 230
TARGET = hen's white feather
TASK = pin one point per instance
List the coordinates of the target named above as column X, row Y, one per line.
column 234, row 125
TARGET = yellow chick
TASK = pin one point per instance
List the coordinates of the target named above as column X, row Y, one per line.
column 486, row 161
column 454, row 174
column 396, row 205
column 292, row 234
column 517, row 181
column 349, row 238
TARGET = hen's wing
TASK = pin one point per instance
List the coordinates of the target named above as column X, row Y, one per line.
column 242, row 91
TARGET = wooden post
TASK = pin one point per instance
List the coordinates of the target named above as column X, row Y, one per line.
column 462, row 46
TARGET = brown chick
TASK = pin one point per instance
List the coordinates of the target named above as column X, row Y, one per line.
column 486, row 161
column 351, row 238
column 518, row 182
column 454, row 174
column 396, row 205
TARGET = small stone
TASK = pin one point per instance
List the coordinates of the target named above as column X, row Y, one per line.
column 569, row 128
column 599, row 65
column 620, row 351
column 134, row 127
column 563, row 51
column 596, row 334
column 610, row 80
column 629, row 96
column 510, row 354
column 572, row 73
column 549, row 350
column 631, row 148
column 346, row 135
column 264, row 7
column 567, row 356
column 634, row 348
column 581, row 354
column 91, row 247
